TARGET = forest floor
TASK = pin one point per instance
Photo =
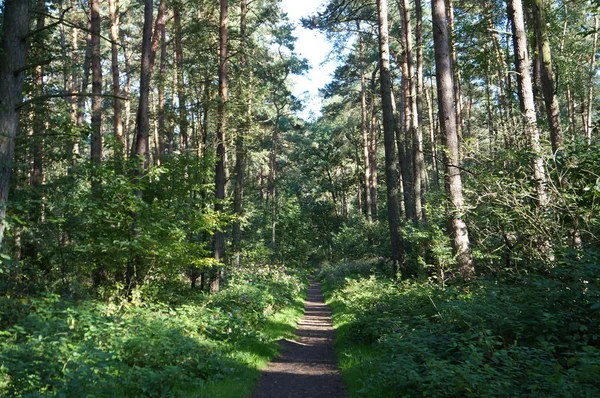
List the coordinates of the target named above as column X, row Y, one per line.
column 306, row 366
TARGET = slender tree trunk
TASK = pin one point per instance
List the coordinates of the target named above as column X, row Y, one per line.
column 150, row 42
column 181, row 94
column 220, row 170
column 589, row 125
column 162, row 73
column 414, row 126
column 391, row 160
column 547, row 74
column 404, row 142
column 127, row 91
column 515, row 11
column 85, row 80
column 273, row 184
column 96, row 144
column 433, row 140
column 365, row 133
column 455, row 69
column 39, row 113
column 13, row 55
column 373, row 186
column 443, row 71
column 113, row 6
column 240, row 150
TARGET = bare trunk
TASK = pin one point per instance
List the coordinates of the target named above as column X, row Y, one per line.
column 373, row 155
column 391, row 160
column 365, row 135
column 220, row 170
column 13, row 57
column 590, row 110
column 113, row 6
column 162, row 147
column 460, row 236
column 515, row 11
column 96, row 144
column 433, row 141
column 181, row 94
column 240, row 152
column 547, row 75
column 414, row 124
column 455, row 70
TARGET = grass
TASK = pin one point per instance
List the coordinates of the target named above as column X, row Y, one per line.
column 256, row 355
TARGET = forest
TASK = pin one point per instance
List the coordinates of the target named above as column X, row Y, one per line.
column 163, row 206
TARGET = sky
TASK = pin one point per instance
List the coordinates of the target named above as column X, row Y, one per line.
column 314, row 47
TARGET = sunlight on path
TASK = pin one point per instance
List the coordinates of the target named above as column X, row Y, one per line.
column 306, row 367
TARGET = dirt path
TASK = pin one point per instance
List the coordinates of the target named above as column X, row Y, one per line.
column 306, row 367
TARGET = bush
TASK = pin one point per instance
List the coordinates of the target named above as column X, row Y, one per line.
column 524, row 336
column 50, row 346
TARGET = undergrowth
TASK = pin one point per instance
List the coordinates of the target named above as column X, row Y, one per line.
column 198, row 345
column 520, row 335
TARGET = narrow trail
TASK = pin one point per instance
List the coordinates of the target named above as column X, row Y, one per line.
column 306, row 367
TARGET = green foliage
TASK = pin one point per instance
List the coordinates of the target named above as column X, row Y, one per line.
column 523, row 336
column 54, row 347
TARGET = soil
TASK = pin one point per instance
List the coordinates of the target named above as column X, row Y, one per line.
column 306, row 367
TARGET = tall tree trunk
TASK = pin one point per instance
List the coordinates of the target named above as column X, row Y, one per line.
column 181, row 94
column 162, row 69
column 140, row 147
column 373, row 150
column 391, row 160
column 273, row 184
column 365, row 132
column 455, row 69
column 96, row 144
column 414, row 125
column 443, row 72
column 113, row 6
column 40, row 114
column 127, row 92
column 220, row 170
column 433, row 140
column 240, row 150
column 150, row 41
column 13, row 55
column 515, row 14
column 404, row 142
column 547, row 74
column 589, row 124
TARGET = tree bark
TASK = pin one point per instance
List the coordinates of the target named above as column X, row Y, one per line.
column 181, row 94
column 13, row 56
column 365, row 132
column 391, row 160
column 113, row 6
column 515, row 14
column 414, row 126
column 443, row 72
column 96, row 144
column 373, row 150
column 589, row 124
column 547, row 75
column 240, row 150
column 455, row 69
column 219, row 237
column 162, row 69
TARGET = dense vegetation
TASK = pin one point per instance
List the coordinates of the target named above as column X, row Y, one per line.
column 524, row 335
column 178, row 343
column 161, row 203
